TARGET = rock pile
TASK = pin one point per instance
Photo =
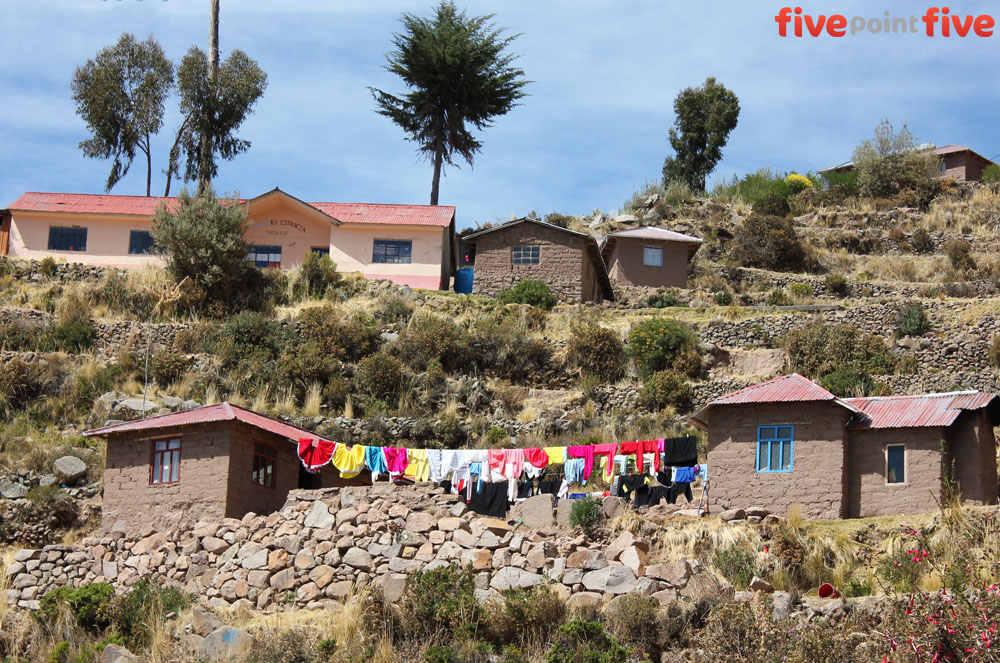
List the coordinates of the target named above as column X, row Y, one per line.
column 323, row 543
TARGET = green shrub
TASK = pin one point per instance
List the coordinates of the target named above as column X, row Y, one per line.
column 74, row 336
column 666, row 389
column 819, row 349
column 21, row 335
column 45, row 494
column 245, row 335
column 440, row 603
column 341, row 337
column 921, row 241
column 752, row 187
column 660, row 343
column 586, row 513
column 496, row 437
column 439, row 654
column 529, row 291
column 892, row 162
column 911, row 320
column 581, row 641
column 89, row 604
column 502, row 345
column 736, row 564
column 316, row 275
column 21, row 383
column 723, row 298
column 994, row 352
column 557, row 219
column 47, row 267
column 525, row 616
column 777, row 297
column 770, row 242
column 380, row 375
column 773, row 203
column 395, row 308
column 596, row 350
column 634, row 621
column 430, row 336
column 115, row 292
column 135, row 614
column 167, row 366
column 991, row 174
column 841, row 185
column 665, row 299
column 801, row 290
column 846, row 382
column 960, row 254
column 836, row 284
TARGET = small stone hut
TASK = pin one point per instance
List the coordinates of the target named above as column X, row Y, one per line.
column 789, row 441
column 654, row 257
column 212, row 462
column 568, row 261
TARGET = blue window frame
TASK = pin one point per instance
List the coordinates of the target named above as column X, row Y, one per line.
column 321, row 250
column 139, row 242
column 67, row 239
column 775, row 448
column 395, row 251
column 525, row 255
column 265, row 256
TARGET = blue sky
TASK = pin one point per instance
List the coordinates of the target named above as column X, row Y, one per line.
column 593, row 129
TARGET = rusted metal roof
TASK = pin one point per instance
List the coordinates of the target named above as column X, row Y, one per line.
column 86, row 203
column 785, row 389
column 649, row 232
column 924, row 411
column 203, row 415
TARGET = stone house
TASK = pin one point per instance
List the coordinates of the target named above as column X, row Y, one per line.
column 568, row 261
column 955, row 161
column 789, row 441
column 212, row 462
column 649, row 256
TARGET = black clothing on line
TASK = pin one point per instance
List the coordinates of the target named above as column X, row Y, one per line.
column 549, row 487
column 525, row 489
column 657, row 493
column 680, row 451
column 679, row 489
column 490, row 499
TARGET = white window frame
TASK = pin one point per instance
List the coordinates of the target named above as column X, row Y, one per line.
column 655, row 249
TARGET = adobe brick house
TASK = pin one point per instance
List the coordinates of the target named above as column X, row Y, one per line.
column 570, row 262
column 955, row 161
column 212, row 462
column 649, row 256
column 789, row 441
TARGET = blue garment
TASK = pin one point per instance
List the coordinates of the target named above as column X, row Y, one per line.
column 684, row 475
column 375, row 460
column 573, row 469
column 476, row 470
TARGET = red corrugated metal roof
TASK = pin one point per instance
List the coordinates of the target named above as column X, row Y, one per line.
column 948, row 149
column 649, row 232
column 785, row 389
column 923, row 411
column 207, row 414
column 86, row 203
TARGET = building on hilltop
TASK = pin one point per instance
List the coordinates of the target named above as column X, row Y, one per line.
column 568, row 261
column 411, row 245
column 649, row 256
column 789, row 441
column 955, row 161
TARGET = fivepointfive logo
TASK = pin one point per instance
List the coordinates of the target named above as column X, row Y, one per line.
column 935, row 22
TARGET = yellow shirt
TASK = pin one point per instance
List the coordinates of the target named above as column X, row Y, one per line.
column 418, row 468
column 349, row 460
column 557, row 455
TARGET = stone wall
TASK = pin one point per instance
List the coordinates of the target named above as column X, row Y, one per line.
column 323, row 543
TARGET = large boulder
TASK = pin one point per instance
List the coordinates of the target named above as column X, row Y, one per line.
column 359, row 559
column 69, row 469
column 226, row 643
column 117, row 654
column 537, row 512
column 12, row 490
column 513, row 578
column 611, row 580
column 320, row 517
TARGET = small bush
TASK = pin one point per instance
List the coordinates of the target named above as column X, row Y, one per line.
column 47, row 267
column 596, row 350
column 991, row 174
column 430, row 336
column 245, row 335
column 316, row 275
column 45, row 494
column 778, row 297
column 136, row 614
column 665, row 299
column 801, row 290
column 168, row 366
column 74, row 336
column 502, row 345
column 89, row 604
column 581, row 641
column 380, row 375
column 960, row 254
column 666, row 389
column 797, row 183
column 819, row 349
column 586, row 514
column 659, row 343
column 634, row 621
column 921, row 241
column 911, row 320
column 339, row 336
column 836, row 284
column 557, row 219
column 770, row 242
column 774, row 203
column 529, row 291
column 440, row 603
column 525, row 616
column 723, row 298
column 736, row 564
column 845, row 382
column 395, row 308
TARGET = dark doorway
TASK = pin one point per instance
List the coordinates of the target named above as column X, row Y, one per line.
column 308, row 480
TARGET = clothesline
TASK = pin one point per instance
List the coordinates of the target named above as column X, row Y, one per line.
column 494, row 464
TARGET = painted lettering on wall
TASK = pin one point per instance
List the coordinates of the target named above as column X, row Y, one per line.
column 279, row 227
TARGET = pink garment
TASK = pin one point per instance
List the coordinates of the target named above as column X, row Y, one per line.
column 395, row 460
column 513, row 463
column 536, row 456
column 496, row 458
column 608, row 451
column 586, row 452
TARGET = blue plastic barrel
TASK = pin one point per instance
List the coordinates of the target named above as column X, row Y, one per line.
column 463, row 280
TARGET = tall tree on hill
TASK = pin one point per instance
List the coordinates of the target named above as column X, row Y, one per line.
column 215, row 100
column 120, row 95
column 705, row 117
column 459, row 73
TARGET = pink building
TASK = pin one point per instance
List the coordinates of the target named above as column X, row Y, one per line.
column 407, row 244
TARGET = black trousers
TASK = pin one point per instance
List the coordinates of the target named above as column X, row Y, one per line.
column 679, row 489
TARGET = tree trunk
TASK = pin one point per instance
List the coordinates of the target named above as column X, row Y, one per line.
column 175, row 153
column 436, row 184
column 205, row 147
column 149, row 167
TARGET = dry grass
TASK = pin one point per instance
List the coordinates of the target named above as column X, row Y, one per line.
column 313, row 401
column 284, row 403
column 348, row 407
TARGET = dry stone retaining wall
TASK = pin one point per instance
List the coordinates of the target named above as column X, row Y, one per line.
column 324, row 543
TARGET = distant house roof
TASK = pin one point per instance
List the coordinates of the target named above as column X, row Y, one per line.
column 649, row 232
column 592, row 248
column 922, row 411
column 940, row 151
column 206, row 414
column 104, row 204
